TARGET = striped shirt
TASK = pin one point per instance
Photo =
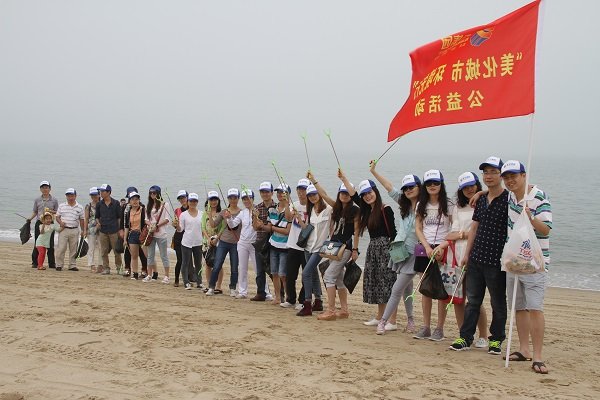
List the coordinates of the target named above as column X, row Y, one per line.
column 277, row 218
column 540, row 208
column 70, row 215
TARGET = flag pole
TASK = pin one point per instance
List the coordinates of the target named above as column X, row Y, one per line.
column 514, row 292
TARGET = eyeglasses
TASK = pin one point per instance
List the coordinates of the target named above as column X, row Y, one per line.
column 432, row 183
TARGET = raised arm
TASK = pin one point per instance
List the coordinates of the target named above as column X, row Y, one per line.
column 387, row 184
column 346, row 182
column 320, row 189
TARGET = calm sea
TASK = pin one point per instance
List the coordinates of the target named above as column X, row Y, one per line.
column 575, row 208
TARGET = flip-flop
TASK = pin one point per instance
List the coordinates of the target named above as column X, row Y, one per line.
column 537, row 367
column 519, row 357
column 218, row 291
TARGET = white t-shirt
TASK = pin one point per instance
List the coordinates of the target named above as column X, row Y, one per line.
column 248, row 234
column 162, row 231
column 192, row 226
column 296, row 228
column 321, row 231
column 433, row 233
column 462, row 219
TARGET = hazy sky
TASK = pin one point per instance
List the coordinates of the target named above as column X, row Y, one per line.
column 259, row 73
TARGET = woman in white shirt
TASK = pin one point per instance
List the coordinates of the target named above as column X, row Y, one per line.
column 319, row 214
column 157, row 217
column 190, row 223
column 245, row 249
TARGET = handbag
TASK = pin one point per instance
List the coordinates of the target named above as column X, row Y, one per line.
column 332, row 250
column 209, row 256
column 432, row 285
column 145, row 235
column 452, row 277
column 398, row 251
column 304, row 235
column 352, row 275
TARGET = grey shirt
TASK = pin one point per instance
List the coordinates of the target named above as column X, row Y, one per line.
column 40, row 204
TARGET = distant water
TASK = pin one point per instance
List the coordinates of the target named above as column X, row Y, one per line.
column 574, row 201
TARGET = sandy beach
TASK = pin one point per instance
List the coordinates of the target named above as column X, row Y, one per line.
column 76, row 335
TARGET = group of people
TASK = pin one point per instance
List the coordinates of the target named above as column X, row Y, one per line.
column 423, row 229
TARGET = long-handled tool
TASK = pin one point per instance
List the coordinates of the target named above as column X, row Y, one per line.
column 422, row 276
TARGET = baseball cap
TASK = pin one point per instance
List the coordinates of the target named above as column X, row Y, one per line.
column 410, row 181
column 44, row 183
column 70, row 191
column 233, row 192
column 494, row 162
column 105, row 188
column 344, row 189
column 366, row 186
column 213, row 195
column 154, row 188
column 311, row 189
column 303, row 183
column 512, row 166
column 130, row 189
column 247, row 193
column 467, row 179
column 433, row 175
column 94, row 191
column 182, row 193
column 266, row 186
column 133, row 194
column 284, row 187
column 192, row 196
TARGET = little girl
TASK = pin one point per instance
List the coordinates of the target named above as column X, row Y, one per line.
column 43, row 241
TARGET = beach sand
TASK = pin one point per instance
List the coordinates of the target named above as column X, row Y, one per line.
column 75, row 335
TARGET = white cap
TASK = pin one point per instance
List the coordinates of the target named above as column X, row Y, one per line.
column 213, row 195
column 410, row 181
column 283, row 188
column 513, row 166
column 303, row 183
column 344, row 189
column 494, row 162
column 94, row 190
column 70, row 191
column 247, row 193
column 311, row 189
column 105, row 187
column 193, row 196
column 182, row 193
column 133, row 194
column 433, row 175
column 233, row 192
column 266, row 186
column 467, row 179
column 44, row 183
column 365, row 186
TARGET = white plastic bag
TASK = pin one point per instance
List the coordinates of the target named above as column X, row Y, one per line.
column 522, row 253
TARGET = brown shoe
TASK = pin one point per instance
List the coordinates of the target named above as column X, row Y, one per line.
column 317, row 305
column 327, row 316
column 306, row 310
column 341, row 314
column 258, row 297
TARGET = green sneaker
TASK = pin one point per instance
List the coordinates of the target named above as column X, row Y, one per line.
column 460, row 344
column 495, row 347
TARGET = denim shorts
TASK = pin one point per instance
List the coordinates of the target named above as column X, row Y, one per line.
column 134, row 237
column 278, row 258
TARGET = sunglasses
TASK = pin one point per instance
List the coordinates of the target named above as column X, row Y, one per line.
column 407, row 188
column 432, row 183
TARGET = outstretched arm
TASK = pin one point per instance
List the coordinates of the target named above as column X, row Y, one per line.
column 387, row 184
column 320, row 189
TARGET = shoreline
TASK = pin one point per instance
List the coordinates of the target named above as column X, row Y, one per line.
column 80, row 335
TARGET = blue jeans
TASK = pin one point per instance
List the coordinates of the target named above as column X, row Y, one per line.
column 478, row 277
column 222, row 249
column 310, row 276
column 278, row 258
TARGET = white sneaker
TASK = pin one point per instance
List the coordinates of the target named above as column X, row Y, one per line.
column 165, row 279
column 232, row 292
column 481, row 343
column 147, row 279
column 381, row 327
column 372, row 322
column 286, row 305
column 299, row 306
column 188, row 286
column 241, row 296
column 391, row 327
column 269, row 297
column 210, row 292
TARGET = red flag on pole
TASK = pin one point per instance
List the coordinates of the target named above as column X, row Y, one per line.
column 481, row 73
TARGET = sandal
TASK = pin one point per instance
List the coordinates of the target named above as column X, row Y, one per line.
column 537, row 367
column 518, row 356
column 218, row 291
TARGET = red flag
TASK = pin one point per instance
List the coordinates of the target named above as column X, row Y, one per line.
column 481, row 73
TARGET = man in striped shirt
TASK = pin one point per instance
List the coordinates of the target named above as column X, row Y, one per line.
column 529, row 299
column 70, row 217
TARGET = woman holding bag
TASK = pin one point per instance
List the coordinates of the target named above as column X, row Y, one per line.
column 406, row 198
column 134, row 221
column 157, row 219
column 319, row 214
column 378, row 219
column 343, row 228
column 433, row 223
